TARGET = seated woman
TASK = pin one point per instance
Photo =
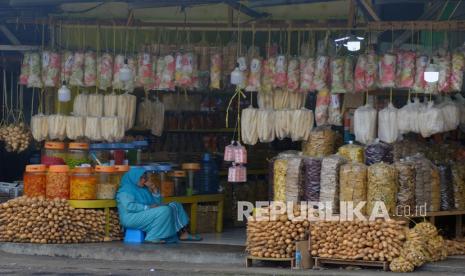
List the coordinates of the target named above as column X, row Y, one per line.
column 139, row 209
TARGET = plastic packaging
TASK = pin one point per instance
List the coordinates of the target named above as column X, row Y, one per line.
column 431, row 120
column 24, row 73
column 249, row 122
column 387, row 124
column 57, row 182
column 127, row 109
column 293, row 75
column 349, row 74
column 35, row 179
column 427, row 183
column 352, row 153
column 254, row 80
column 406, row 180
column 34, row 79
column 322, row 104
column 320, row 142
column 216, row 65
column 353, row 183
column 80, row 105
column 95, row 105
column 337, row 75
column 365, row 124
column 269, row 67
column 450, row 114
column 77, row 70
column 283, row 123
column 39, row 127
column 57, row 127
column 378, row 152
column 90, row 69
column 301, row 124
column 51, row 65
column 104, row 71
column 311, row 176
column 307, row 72
column 334, row 111
column 406, row 72
column 266, row 125
column 447, row 188
column 93, row 128
column 444, row 64
column 420, row 66
column 458, row 65
column 67, row 60
column 458, row 180
column 387, row 70
column 83, row 184
column 279, row 179
column 280, row 72
column 382, row 186
column 144, row 70
column 329, row 180
column 371, row 74
column 293, row 182
column 322, row 72
column 360, row 73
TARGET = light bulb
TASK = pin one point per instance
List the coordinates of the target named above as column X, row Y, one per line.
column 237, row 76
column 125, row 73
column 64, row 94
column 353, row 45
column 431, row 73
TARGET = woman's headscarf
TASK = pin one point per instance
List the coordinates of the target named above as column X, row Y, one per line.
column 129, row 184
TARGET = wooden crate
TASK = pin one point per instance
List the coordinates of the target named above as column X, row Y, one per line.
column 379, row 264
column 249, row 260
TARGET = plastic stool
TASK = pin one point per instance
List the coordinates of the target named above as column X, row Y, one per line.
column 134, row 236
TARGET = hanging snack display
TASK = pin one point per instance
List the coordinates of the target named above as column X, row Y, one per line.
column 283, row 123
column 406, row 180
column 57, row 127
column 266, row 125
column 95, row 105
column 329, row 180
column 458, row 65
column 90, row 68
column 365, row 124
column 93, row 129
column 34, row 79
column 51, row 64
column 80, row 105
column 254, row 80
column 334, row 111
column 378, row 152
column 249, row 127
column 110, row 107
column 301, row 124
column 24, row 72
column 77, row 70
column 359, row 73
column 378, row 240
column 406, row 70
column 450, row 114
column 447, row 188
column 382, row 186
column 293, row 181
column 75, row 127
column 353, row 183
column 320, row 142
column 307, row 72
column 293, row 75
column 323, row 101
column 104, row 71
column 352, row 152
column 127, row 109
column 387, row 124
column 311, row 176
column 337, row 75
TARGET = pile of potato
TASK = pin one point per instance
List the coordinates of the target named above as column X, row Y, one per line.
column 423, row 245
column 276, row 238
column 37, row 220
column 378, row 240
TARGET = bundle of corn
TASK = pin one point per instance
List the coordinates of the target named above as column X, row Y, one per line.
column 274, row 238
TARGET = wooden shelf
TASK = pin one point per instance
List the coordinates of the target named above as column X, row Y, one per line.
column 249, row 172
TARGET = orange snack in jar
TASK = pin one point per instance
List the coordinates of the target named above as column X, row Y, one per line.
column 167, row 188
column 57, row 182
column 35, row 179
column 83, row 184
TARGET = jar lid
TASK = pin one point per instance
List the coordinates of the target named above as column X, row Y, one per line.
column 151, row 168
column 115, row 145
column 82, row 170
column 140, row 144
column 164, row 167
column 58, row 168
column 54, row 145
column 99, row 146
column 178, row 174
column 191, row 166
column 122, row 168
column 105, row 169
column 83, row 146
column 127, row 146
column 36, row 168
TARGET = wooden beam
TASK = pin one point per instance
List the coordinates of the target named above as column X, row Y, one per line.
column 351, row 18
column 19, row 48
column 9, row 35
column 369, row 9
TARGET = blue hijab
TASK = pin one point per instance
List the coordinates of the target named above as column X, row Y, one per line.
column 129, row 185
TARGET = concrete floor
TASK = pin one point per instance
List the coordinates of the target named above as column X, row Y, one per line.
column 230, row 236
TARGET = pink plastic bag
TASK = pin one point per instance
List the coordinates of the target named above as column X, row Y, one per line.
column 360, row 72
column 117, row 65
column 105, row 71
column 307, row 72
column 456, row 78
column 77, row 70
column 90, row 69
column 67, row 60
column 144, row 70
column 216, row 64
column 371, row 75
column 24, row 75
column 322, row 73
column 323, row 100
column 268, row 73
column 349, row 74
column 387, row 70
column 293, row 75
column 420, row 65
column 254, row 80
column 51, row 63
column 444, row 64
column 280, row 73
column 168, row 73
column 406, row 76
column 337, row 75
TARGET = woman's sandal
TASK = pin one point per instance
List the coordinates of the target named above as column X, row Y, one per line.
column 157, row 241
column 192, row 238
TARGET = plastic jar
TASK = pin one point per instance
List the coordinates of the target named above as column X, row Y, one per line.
column 35, row 180
column 57, row 182
column 141, row 149
column 179, row 179
column 130, row 152
column 117, row 154
column 100, row 153
column 106, row 182
column 165, row 180
column 120, row 171
column 53, row 153
column 83, row 184
column 78, row 154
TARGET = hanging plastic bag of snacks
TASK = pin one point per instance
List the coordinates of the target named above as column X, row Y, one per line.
column 129, row 85
column 371, row 77
column 240, row 154
column 406, row 181
column 118, row 64
column 104, row 71
column 293, row 75
column 280, row 73
column 242, row 62
column 302, row 124
column 187, row 70
column 51, row 63
column 444, row 64
column 431, row 120
column 249, row 126
column 329, row 180
column 229, row 152
column 447, row 188
column 420, row 66
column 34, row 79
column 352, row 152
column 216, row 64
column 322, row 69
column 349, row 74
column 67, row 60
column 458, row 180
column 293, row 181
column 168, row 69
column 450, row 113
column 323, row 100
column 24, row 75
column 279, row 180
column 382, row 186
column 406, row 76
column 360, row 73
column 77, row 70
column 283, row 119
column 458, row 65
column 144, row 70
column 307, row 72
column 269, row 67
column 311, row 176
column 334, row 111
column 387, row 124
column 266, row 125
column 320, row 142
column 365, row 124
column 254, row 80
column 337, row 75
column 378, row 152
column 90, row 69
column 387, row 70
column 353, row 183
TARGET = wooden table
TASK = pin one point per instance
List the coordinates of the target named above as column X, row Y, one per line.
column 193, row 201
column 105, row 204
